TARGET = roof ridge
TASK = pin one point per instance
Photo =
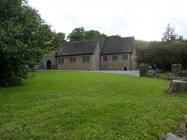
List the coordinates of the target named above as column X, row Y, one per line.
column 90, row 40
column 85, row 40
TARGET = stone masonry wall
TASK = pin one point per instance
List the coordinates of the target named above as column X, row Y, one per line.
column 118, row 64
column 51, row 57
column 110, row 64
column 134, row 60
column 79, row 65
column 95, row 61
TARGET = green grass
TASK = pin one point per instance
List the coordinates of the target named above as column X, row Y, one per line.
column 60, row 105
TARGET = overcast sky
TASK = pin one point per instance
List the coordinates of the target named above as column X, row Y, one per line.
column 144, row 19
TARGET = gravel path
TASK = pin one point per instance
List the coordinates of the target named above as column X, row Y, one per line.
column 132, row 73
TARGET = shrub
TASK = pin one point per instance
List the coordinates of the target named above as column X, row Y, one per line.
column 164, row 54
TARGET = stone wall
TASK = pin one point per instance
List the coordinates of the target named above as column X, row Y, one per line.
column 49, row 57
column 79, row 65
column 118, row 64
column 134, row 60
column 175, row 68
column 95, row 61
column 177, row 86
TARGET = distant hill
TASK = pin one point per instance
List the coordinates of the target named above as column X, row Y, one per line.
column 141, row 44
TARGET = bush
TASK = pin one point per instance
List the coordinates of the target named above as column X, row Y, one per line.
column 164, row 54
column 25, row 38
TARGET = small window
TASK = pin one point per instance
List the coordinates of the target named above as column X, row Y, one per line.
column 125, row 57
column 60, row 60
column 85, row 59
column 114, row 57
column 72, row 59
column 105, row 58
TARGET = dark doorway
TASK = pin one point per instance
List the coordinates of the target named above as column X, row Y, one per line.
column 124, row 68
column 48, row 64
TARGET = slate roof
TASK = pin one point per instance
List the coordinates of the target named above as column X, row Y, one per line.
column 107, row 46
column 118, row 45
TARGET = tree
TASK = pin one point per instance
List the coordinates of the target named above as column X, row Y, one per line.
column 114, row 37
column 141, row 44
column 58, row 39
column 93, row 34
column 171, row 50
column 77, row 34
column 170, row 35
column 164, row 54
column 103, row 36
column 25, row 38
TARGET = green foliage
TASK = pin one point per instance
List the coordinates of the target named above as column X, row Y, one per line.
column 58, row 39
column 172, row 50
column 114, row 37
column 25, row 38
column 170, row 35
column 92, row 34
column 141, row 44
column 79, row 34
column 9, row 9
column 84, row 105
column 164, row 54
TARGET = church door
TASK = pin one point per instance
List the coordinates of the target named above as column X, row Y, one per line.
column 48, row 65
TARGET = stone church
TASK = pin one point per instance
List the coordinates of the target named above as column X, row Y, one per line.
column 102, row 54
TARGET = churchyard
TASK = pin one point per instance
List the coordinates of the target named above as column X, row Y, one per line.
column 83, row 105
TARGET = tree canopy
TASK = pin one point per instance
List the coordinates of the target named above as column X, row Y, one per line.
column 172, row 50
column 170, row 35
column 163, row 55
column 79, row 34
column 25, row 38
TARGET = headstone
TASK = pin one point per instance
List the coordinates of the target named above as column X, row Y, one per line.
column 170, row 136
column 176, row 68
column 177, row 86
column 143, row 70
column 182, row 73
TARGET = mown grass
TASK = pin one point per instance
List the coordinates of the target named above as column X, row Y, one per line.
column 82, row 105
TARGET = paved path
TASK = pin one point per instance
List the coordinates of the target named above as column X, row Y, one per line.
column 132, row 73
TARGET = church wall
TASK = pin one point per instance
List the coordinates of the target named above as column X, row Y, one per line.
column 115, row 62
column 78, row 65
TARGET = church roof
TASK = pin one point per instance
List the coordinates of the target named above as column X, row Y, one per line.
column 107, row 46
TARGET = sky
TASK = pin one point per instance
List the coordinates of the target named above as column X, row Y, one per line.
column 143, row 19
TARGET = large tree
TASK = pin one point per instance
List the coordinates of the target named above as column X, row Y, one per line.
column 24, row 38
column 164, row 54
column 114, row 37
column 58, row 39
column 171, row 50
column 170, row 35
column 79, row 34
column 93, row 34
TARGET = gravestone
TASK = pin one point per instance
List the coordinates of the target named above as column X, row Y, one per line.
column 177, row 86
column 170, row 136
column 143, row 71
column 176, row 68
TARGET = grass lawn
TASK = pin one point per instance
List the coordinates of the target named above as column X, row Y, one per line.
column 60, row 105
